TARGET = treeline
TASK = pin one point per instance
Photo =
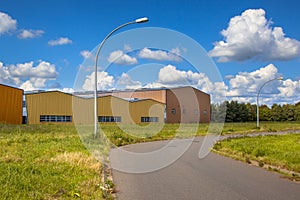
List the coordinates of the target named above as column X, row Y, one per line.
column 234, row 111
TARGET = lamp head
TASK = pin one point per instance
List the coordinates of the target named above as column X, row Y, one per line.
column 142, row 20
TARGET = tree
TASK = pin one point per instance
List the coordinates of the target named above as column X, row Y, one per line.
column 265, row 113
column 288, row 112
column 218, row 112
column 251, row 109
column 277, row 113
column 297, row 112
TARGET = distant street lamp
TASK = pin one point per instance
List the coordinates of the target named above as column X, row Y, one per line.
column 257, row 103
column 140, row 20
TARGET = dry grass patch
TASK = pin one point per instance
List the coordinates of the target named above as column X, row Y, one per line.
column 77, row 159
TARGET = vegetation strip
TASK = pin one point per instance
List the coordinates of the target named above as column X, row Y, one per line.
column 46, row 162
column 50, row 161
column 274, row 152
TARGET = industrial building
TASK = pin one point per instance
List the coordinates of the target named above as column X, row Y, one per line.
column 11, row 100
column 182, row 104
column 59, row 107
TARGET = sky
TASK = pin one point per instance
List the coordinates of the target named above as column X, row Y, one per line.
column 228, row 49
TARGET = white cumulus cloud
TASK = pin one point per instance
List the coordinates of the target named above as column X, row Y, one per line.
column 173, row 55
column 42, row 70
column 120, row 58
column 251, row 36
column 24, row 34
column 7, row 23
column 126, row 80
column 248, row 83
column 28, row 76
column 290, row 89
column 244, row 87
column 5, row 76
column 104, row 81
column 60, row 41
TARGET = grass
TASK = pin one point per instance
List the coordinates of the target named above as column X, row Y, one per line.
column 282, row 151
column 135, row 134
column 46, row 162
column 50, row 161
column 250, row 127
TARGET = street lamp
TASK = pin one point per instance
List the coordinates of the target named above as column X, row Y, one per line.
column 257, row 103
column 140, row 20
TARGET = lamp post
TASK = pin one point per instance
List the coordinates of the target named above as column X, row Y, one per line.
column 140, row 20
column 257, row 98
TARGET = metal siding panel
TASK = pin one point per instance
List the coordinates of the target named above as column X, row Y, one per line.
column 11, row 105
column 48, row 103
column 146, row 108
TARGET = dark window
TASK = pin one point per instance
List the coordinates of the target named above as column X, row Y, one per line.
column 149, row 119
column 109, row 119
column 173, row 111
column 55, row 118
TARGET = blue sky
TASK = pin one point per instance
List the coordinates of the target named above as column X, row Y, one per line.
column 45, row 45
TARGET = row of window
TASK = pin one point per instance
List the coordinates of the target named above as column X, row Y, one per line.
column 149, row 119
column 55, row 118
column 109, row 119
column 119, row 119
column 64, row 118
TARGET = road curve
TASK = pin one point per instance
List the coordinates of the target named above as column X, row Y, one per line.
column 214, row 177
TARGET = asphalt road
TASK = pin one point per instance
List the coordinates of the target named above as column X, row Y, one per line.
column 214, row 177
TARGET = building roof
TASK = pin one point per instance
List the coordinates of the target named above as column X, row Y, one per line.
column 124, row 99
column 10, row 87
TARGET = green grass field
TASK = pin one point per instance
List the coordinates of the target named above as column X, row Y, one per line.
column 282, row 151
column 46, row 162
column 50, row 161
column 136, row 134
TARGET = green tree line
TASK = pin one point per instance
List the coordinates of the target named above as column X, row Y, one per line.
column 233, row 111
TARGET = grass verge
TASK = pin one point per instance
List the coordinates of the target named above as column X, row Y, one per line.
column 277, row 152
column 46, row 162
column 50, row 162
column 136, row 134
column 250, row 127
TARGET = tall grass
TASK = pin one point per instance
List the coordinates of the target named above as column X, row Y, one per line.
column 46, row 162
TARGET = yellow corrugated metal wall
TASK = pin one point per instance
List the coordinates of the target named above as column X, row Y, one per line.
column 11, row 105
column 82, row 109
column 147, row 108
column 47, row 103
column 131, row 112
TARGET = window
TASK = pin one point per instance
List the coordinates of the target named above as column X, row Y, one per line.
column 204, row 112
column 149, row 119
column 55, row 118
column 173, row 111
column 109, row 119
